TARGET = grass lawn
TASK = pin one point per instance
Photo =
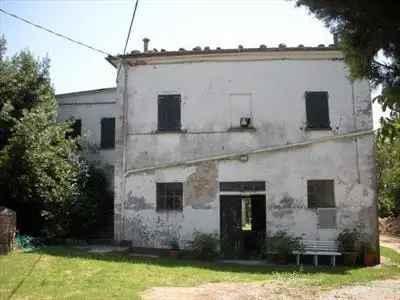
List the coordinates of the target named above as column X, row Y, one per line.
column 68, row 273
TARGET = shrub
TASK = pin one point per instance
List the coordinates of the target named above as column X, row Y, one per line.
column 174, row 244
column 283, row 244
column 205, row 246
column 349, row 240
column 82, row 214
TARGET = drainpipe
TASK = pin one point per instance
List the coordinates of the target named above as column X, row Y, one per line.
column 356, row 138
column 124, row 67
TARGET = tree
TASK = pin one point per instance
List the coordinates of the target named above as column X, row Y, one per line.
column 39, row 167
column 388, row 175
column 368, row 30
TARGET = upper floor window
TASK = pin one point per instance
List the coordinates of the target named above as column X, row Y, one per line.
column 169, row 112
column 169, row 196
column 76, row 129
column 317, row 110
column 107, row 133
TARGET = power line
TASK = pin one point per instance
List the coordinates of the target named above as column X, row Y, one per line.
column 129, row 34
column 55, row 33
column 130, row 26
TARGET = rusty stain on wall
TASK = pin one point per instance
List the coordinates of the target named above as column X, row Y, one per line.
column 201, row 187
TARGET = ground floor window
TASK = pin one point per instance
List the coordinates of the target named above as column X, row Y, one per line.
column 322, row 197
column 320, row 194
column 169, row 196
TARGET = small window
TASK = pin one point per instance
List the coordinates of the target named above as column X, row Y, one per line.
column 320, row 194
column 76, row 129
column 317, row 110
column 107, row 133
column 169, row 112
column 169, row 196
column 240, row 109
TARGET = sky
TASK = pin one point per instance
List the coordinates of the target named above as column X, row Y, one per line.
column 170, row 24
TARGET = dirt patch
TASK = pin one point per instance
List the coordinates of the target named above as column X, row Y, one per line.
column 390, row 241
column 385, row 289
column 229, row 291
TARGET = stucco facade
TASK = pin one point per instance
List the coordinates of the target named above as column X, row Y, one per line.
column 211, row 148
column 90, row 107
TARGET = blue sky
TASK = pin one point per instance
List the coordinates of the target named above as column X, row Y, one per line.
column 169, row 24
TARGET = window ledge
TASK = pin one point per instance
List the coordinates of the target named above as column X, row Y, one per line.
column 170, row 131
column 241, row 129
column 318, row 129
column 107, row 149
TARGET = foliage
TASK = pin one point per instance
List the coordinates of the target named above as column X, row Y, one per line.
column 174, row 244
column 37, row 164
column 205, row 246
column 388, row 176
column 283, row 244
column 24, row 82
column 349, row 240
column 79, row 217
column 368, row 30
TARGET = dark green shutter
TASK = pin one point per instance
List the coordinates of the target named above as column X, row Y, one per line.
column 317, row 110
column 169, row 112
column 107, row 133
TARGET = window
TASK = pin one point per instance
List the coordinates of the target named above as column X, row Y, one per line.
column 169, row 196
column 240, row 109
column 76, row 129
column 107, row 133
column 320, row 194
column 317, row 110
column 169, row 112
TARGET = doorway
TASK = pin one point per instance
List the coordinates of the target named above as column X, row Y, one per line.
column 242, row 224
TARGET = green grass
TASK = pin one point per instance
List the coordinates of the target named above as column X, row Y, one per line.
column 61, row 272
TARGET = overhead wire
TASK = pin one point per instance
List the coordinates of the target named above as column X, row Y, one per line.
column 55, row 33
column 129, row 34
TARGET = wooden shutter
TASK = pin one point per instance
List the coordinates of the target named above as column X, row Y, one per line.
column 107, row 133
column 317, row 110
column 169, row 112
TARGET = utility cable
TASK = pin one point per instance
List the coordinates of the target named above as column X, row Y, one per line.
column 55, row 33
column 129, row 34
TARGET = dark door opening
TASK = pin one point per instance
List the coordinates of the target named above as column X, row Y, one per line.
column 243, row 225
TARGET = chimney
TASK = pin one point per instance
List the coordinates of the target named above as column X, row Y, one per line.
column 146, row 44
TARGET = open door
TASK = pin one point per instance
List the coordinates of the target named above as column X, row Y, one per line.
column 231, row 225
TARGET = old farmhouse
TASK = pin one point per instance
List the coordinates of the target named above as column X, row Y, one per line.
column 226, row 140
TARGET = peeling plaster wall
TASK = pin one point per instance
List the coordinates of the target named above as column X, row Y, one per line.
column 90, row 107
column 278, row 110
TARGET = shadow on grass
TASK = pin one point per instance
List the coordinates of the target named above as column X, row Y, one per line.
column 124, row 257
